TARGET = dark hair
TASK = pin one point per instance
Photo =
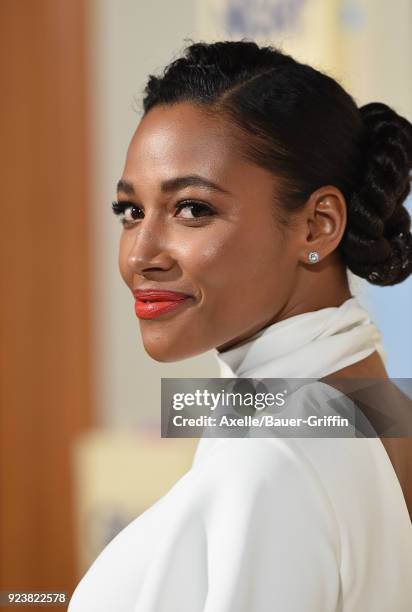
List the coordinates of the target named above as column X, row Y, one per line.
column 303, row 126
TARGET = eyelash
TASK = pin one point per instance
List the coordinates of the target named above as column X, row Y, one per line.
column 119, row 208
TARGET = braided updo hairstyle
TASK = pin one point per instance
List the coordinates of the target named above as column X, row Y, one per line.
column 301, row 125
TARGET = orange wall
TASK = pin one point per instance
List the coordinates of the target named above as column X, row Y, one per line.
column 45, row 355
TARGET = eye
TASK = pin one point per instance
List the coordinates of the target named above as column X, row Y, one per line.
column 193, row 210
column 129, row 213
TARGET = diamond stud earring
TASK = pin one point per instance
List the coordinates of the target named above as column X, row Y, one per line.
column 313, row 256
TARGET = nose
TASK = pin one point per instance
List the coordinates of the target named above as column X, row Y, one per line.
column 149, row 248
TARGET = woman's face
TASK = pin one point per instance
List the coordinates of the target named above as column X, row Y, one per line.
column 222, row 248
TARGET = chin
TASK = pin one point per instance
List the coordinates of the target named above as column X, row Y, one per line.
column 162, row 356
column 165, row 350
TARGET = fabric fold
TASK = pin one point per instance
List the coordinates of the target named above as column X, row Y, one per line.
column 309, row 345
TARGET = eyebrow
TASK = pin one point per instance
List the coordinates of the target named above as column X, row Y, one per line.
column 179, row 182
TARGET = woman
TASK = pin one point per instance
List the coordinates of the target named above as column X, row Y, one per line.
column 252, row 183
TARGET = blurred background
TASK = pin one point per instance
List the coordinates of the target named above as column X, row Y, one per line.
column 80, row 448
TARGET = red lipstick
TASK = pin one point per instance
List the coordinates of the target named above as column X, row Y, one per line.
column 151, row 303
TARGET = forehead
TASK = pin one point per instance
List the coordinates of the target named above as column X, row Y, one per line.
column 183, row 139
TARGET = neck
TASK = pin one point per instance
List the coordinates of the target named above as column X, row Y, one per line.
column 370, row 367
column 332, row 291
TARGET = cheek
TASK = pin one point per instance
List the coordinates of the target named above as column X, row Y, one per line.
column 125, row 244
column 234, row 260
column 241, row 278
column 221, row 263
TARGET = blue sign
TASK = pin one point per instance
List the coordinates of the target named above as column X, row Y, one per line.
column 251, row 18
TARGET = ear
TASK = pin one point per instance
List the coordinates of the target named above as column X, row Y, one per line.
column 324, row 221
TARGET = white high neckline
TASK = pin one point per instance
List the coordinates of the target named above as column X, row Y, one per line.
column 308, row 345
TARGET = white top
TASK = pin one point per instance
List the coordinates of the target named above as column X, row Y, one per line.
column 271, row 524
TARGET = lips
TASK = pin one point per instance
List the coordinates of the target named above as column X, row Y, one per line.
column 151, row 303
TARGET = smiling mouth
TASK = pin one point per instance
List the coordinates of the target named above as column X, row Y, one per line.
column 151, row 309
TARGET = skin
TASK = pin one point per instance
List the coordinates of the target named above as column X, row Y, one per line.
column 242, row 270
